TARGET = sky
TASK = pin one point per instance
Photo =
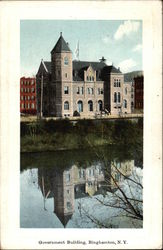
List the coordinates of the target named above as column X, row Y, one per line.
column 120, row 42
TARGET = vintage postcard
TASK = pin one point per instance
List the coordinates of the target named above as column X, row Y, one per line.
column 81, row 125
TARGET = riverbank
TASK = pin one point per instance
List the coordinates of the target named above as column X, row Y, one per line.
column 43, row 135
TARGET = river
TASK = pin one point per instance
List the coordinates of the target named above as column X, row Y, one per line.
column 81, row 188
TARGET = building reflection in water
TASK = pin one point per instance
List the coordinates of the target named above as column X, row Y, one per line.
column 74, row 182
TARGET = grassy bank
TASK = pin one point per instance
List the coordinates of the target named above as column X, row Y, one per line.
column 64, row 135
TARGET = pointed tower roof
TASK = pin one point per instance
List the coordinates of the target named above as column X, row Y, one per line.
column 64, row 219
column 61, row 45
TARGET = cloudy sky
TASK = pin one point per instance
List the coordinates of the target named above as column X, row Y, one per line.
column 120, row 42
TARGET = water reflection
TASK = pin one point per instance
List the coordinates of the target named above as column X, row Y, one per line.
column 67, row 184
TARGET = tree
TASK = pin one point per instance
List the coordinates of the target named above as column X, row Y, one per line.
column 125, row 196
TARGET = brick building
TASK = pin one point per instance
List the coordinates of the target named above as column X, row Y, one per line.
column 66, row 87
column 139, row 92
column 28, row 95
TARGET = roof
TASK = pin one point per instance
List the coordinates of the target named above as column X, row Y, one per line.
column 111, row 69
column 128, row 77
column 64, row 219
column 102, row 70
column 48, row 66
column 80, row 66
column 61, row 45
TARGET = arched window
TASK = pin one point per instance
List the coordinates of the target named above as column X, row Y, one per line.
column 100, row 105
column 119, row 97
column 87, row 78
column 66, row 105
column 115, row 97
column 80, row 106
column 66, row 61
column 125, row 104
column 90, row 105
column 126, row 91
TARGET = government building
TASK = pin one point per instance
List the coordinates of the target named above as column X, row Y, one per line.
column 67, row 87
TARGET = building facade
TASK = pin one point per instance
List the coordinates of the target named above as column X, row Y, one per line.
column 28, row 95
column 67, row 88
column 139, row 92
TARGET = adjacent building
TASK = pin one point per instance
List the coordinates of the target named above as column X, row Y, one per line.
column 139, row 92
column 67, row 87
column 28, row 95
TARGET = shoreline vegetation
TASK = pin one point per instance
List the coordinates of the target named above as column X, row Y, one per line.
column 51, row 135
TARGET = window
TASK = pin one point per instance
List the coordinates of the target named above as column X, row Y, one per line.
column 32, row 105
column 65, row 61
column 132, row 104
column 21, row 82
column 22, row 105
column 132, row 96
column 80, row 106
column 66, row 75
column 32, row 82
column 117, row 83
column 126, row 91
column 81, row 173
column 90, row 106
column 32, row 90
column 68, row 177
column 93, row 78
column 69, row 206
column 22, row 98
column 100, row 105
column 90, row 91
column 25, row 97
column 81, row 90
column 119, row 97
column 115, row 97
column 28, row 97
column 28, row 105
column 125, row 104
column 65, row 90
column 78, row 91
column 21, row 90
column 66, row 105
column 100, row 91
column 87, row 78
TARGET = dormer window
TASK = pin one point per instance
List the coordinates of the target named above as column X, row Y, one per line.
column 65, row 61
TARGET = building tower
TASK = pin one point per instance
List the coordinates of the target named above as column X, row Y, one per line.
column 61, row 69
column 63, row 189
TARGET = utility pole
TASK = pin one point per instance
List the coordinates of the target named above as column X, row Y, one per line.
column 41, row 111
